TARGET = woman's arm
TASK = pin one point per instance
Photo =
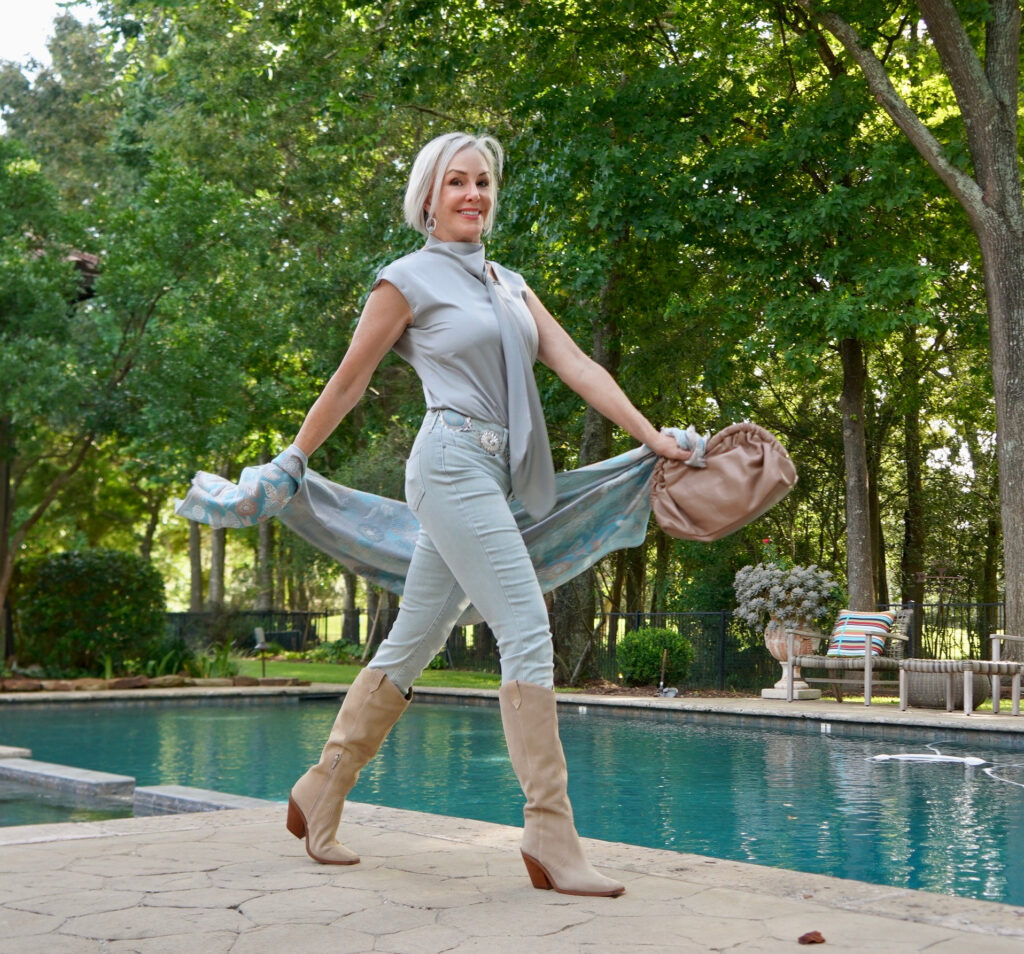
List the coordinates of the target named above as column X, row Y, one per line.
column 385, row 316
column 594, row 384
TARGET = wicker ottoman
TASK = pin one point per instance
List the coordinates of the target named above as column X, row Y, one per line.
column 946, row 670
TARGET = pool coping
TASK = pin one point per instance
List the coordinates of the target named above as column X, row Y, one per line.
column 816, row 715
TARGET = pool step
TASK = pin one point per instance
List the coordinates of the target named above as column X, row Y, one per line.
column 174, row 799
column 89, row 786
column 14, row 752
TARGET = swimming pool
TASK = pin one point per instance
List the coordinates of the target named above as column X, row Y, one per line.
column 798, row 799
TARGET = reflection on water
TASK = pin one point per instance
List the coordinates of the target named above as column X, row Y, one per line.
column 809, row 802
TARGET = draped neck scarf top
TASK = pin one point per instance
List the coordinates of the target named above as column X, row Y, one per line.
column 473, row 342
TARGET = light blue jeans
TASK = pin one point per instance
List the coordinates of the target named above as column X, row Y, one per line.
column 469, row 550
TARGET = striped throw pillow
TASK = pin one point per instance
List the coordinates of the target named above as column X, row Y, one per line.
column 853, row 631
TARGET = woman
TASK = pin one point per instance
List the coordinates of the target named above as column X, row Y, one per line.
column 471, row 329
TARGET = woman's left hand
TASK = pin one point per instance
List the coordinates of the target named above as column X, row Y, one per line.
column 666, row 446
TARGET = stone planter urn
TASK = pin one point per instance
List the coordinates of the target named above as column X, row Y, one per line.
column 776, row 640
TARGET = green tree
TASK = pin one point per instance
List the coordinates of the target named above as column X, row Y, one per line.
column 40, row 440
column 978, row 51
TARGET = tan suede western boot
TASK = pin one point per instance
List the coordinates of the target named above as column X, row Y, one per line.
column 550, row 846
column 371, row 707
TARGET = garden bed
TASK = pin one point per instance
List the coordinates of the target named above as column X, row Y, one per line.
column 22, row 684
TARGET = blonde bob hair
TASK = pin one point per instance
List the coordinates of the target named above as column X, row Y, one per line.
column 428, row 172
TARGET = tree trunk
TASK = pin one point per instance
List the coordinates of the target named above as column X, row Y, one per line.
column 265, row 557
column 873, row 450
column 381, row 608
column 195, row 563
column 300, row 594
column 1003, row 255
column 859, row 567
column 615, row 606
column 880, row 567
column 16, row 534
column 265, row 565
column 350, row 615
column 153, row 521
column 912, row 558
column 989, row 589
column 485, row 646
column 6, row 562
column 662, row 552
column 573, row 603
column 618, row 582
column 218, row 546
column 218, row 560
column 373, row 611
column 635, row 570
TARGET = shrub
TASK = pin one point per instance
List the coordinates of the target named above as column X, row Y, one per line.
column 440, row 661
column 215, row 663
column 793, row 595
column 639, row 656
column 333, row 651
column 169, row 656
column 86, row 610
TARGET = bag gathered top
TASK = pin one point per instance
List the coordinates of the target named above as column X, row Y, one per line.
column 746, row 472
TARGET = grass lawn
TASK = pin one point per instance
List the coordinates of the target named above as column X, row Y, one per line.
column 454, row 679
column 333, row 672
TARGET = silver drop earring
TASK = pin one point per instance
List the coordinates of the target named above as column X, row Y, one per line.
column 431, row 224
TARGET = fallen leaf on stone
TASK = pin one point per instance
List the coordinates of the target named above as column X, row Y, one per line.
column 811, row 937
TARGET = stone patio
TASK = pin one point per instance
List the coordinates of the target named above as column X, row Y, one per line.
column 236, row 881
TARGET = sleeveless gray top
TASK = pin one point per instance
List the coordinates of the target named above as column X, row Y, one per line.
column 473, row 343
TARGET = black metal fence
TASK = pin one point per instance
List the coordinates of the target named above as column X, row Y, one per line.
column 727, row 653
column 953, row 630
column 292, row 630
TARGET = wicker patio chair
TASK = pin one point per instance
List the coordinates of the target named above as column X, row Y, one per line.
column 866, row 665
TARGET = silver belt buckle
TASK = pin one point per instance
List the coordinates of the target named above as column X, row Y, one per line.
column 490, row 441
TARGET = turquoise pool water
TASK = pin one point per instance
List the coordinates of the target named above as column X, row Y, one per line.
column 802, row 800
column 23, row 806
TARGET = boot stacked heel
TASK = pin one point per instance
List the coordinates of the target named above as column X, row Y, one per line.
column 296, row 823
column 538, row 876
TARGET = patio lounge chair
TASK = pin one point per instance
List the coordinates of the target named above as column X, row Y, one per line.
column 866, row 664
column 994, row 667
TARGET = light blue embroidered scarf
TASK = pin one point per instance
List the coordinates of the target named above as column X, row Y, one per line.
column 598, row 509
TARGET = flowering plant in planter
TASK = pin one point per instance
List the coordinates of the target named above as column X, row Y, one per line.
column 792, row 596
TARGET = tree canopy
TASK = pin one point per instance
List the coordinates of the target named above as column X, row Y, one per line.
column 707, row 196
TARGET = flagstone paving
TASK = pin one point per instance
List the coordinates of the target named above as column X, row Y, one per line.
column 235, row 881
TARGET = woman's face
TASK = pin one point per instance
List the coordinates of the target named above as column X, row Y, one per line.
column 465, row 198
